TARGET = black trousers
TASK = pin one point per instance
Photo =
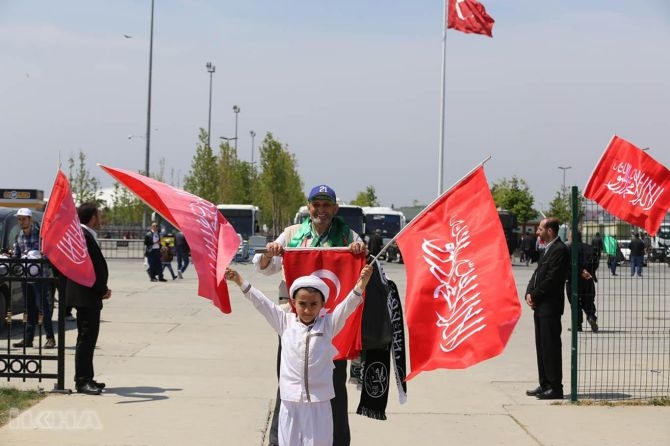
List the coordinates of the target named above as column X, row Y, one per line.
column 339, row 405
column 548, row 349
column 88, row 327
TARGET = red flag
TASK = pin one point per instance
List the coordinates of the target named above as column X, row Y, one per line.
column 213, row 241
column 469, row 16
column 461, row 297
column 62, row 240
column 631, row 185
column 340, row 269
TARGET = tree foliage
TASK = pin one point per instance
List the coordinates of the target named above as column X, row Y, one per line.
column 561, row 206
column 514, row 195
column 203, row 179
column 126, row 209
column 368, row 197
column 280, row 187
column 85, row 187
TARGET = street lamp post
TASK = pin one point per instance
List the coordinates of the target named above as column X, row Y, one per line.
column 145, row 216
column 253, row 135
column 564, row 168
column 227, row 140
column 236, row 110
column 210, row 69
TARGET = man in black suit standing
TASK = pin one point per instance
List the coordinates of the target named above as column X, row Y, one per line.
column 88, row 302
column 545, row 295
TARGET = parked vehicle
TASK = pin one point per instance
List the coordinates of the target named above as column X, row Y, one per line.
column 11, row 296
column 256, row 242
column 242, row 254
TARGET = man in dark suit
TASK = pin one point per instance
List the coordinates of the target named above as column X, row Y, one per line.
column 545, row 295
column 88, row 302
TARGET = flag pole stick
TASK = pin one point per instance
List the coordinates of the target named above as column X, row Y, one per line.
column 424, row 210
column 440, row 153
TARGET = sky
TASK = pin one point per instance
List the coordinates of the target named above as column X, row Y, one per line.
column 352, row 88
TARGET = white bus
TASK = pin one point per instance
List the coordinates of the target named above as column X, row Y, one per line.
column 245, row 218
column 389, row 222
column 352, row 216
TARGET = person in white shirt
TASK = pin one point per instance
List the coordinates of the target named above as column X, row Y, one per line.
column 305, row 376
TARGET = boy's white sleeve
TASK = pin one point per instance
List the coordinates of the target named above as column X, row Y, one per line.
column 345, row 308
column 273, row 313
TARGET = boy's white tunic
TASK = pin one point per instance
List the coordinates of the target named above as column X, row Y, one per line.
column 306, row 371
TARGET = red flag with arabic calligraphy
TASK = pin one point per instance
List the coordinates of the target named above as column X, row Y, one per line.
column 212, row 240
column 631, row 185
column 63, row 243
column 340, row 269
column 469, row 16
column 461, row 299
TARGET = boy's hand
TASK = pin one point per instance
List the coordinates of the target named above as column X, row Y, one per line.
column 233, row 275
column 366, row 273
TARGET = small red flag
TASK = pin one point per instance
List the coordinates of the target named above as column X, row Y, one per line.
column 630, row 184
column 63, row 243
column 212, row 240
column 340, row 269
column 461, row 299
column 469, row 16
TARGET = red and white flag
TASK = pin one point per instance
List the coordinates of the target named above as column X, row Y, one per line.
column 340, row 269
column 631, row 185
column 461, row 300
column 63, row 241
column 212, row 240
column 469, row 16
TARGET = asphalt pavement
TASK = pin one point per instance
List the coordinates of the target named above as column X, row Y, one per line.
column 179, row 372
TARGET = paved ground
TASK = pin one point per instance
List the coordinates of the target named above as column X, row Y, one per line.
column 180, row 372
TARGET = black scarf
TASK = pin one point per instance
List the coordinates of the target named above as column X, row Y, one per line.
column 375, row 374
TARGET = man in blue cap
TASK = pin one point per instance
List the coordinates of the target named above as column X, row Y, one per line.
column 321, row 229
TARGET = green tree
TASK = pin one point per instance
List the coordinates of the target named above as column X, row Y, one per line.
column 561, row 206
column 85, row 187
column 280, row 189
column 235, row 177
column 368, row 197
column 126, row 208
column 514, row 195
column 203, row 179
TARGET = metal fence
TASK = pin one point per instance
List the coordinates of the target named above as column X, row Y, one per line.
column 122, row 248
column 628, row 358
column 31, row 360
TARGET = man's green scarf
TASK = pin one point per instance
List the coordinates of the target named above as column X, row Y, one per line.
column 337, row 235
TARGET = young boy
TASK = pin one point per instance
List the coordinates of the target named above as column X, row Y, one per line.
column 306, row 371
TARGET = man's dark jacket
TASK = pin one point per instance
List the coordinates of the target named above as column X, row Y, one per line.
column 82, row 296
column 547, row 284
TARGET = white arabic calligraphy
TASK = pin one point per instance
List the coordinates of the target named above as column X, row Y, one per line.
column 458, row 286
column 73, row 244
column 635, row 186
column 206, row 218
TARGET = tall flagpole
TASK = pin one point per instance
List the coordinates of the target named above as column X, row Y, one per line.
column 440, row 156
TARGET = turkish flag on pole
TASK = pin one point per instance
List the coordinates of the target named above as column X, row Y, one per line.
column 461, row 298
column 631, row 185
column 469, row 16
column 213, row 241
column 63, row 243
column 340, row 269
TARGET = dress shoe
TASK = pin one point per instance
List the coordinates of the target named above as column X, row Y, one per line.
column 180, row 275
column 51, row 343
column 535, row 391
column 550, row 394
column 162, row 280
column 89, row 389
column 97, row 384
column 594, row 324
column 23, row 344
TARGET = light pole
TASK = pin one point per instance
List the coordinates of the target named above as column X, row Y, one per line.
column 145, row 216
column 564, row 168
column 227, row 140
column 210, row 69
column 253, row 135
column 236, row 110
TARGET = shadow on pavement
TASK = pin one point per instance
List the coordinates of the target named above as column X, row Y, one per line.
column 141, row 393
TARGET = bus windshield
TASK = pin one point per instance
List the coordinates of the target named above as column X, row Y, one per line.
column 389, row 225
column 244, row 218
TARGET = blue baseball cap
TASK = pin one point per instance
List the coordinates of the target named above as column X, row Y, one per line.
column 322, row 192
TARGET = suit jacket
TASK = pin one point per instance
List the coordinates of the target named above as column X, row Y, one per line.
column 547, row 285
column 82, row 296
